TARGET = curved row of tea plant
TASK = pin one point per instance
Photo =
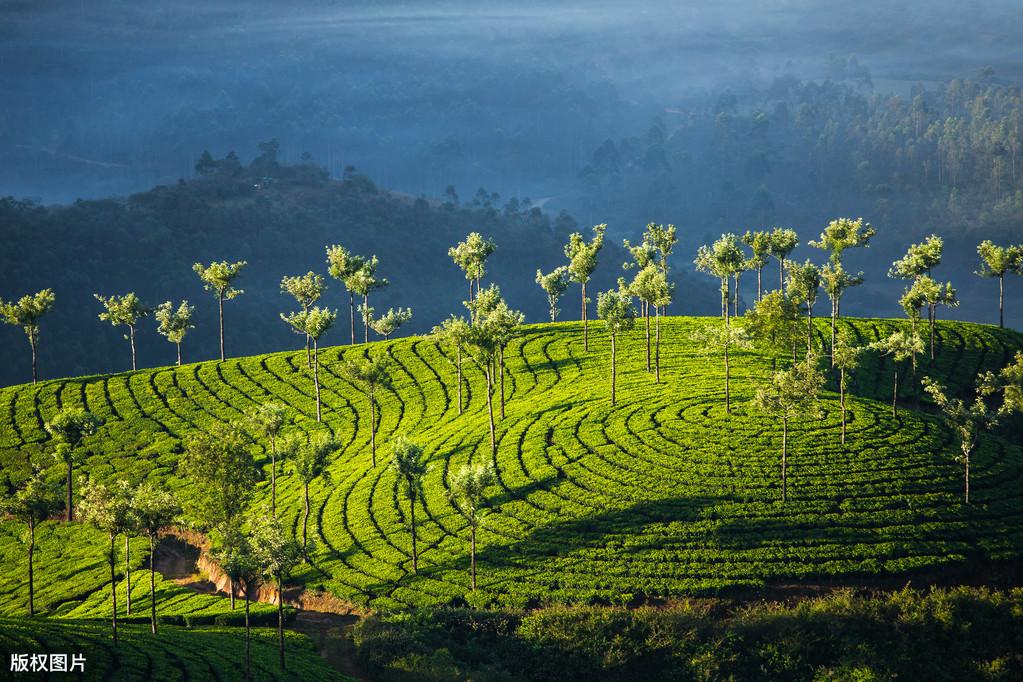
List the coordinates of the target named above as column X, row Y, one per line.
column 662, row 495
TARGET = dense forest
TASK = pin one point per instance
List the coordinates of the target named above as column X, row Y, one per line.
column 279, row 218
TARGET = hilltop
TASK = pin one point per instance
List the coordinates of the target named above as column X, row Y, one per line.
column 661, row 496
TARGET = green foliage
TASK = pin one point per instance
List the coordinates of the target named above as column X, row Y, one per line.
column 554, row 284
column 997, row 261
column 305, row 289
column 471, row 255
column 919, row 260
column 616, row 310
column 221, row 472
column 389, row 322
column 219, row 277
column 582, row 255
column 468, row 491
column 313, row 322
column 842, row 234
column 173, row 322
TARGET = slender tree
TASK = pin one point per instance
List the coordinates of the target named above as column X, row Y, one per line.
column 313, row 323
column 616, row 310
column 389, row 322
column 919, row 260
column 309, row 463
column 722, row 339
column 126, row 492
column 344, row 266
column 107, row 511
column 663, row 238
column 760, row 244
column 791, row 394
column 219, row 277
column 836, row 281
column 277, row 553
column 804, row 286
column 651, row 286
column 471, row 256
column 582, row 261
column 722, row 260
column 774, row 324
column 505, row 323
column 842, row 234
column 846, row 357
column 124, row 311
column 364, row 282
column 306, row 290
column 967, row 422
column 481, row 343
column 32, row 503
column 369, row 375
column 932, row 294
column 997, row 261
column 452, row 332
column 68, row 428
column 152, row 510
column 554, row 284
column 783, row 241
column 236, row 556
column 174, row 323
column 468, row 493
column 410, row 465
column 644, row 255
column 269, row 420
column 25, row 313
column 901, row 346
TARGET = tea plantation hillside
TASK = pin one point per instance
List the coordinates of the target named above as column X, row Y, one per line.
column 177, row 654
column 662, row 495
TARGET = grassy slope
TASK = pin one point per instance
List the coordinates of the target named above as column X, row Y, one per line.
column 176, row 654
column 662, row 495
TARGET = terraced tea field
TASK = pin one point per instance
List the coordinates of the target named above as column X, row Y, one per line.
column 662, row 495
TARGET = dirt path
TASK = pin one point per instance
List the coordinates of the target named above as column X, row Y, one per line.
column 177, row 561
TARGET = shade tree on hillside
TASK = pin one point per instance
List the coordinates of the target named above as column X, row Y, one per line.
column 34, row 501
column 152, row 509
column 722, row 339
column 791, row 394
column 306, row 290
column 363, row 283
column 920, row 259
column 218, row 278
column 554, row 284
column 644, row 255
column 124, row 311
column 26, row 313
column 277, row 554
column 467, row 491
column 933, row 294
column 108, row 511
column 69, row 428
column 313, row 323
column 471, row 256
column 389, row 322
column 127, row 493
column 369, row 375
column 615, row 308
column 775, row 325
column 344, row 266
column 783, row 241
column 269, row 420
column 899, row 346
column 842, row 234
column 966, row 420
column 233, row 552
column 490, row 311
column 803, row 288
column 409, row 464
column 1008, row 381
column 173, row 323
column 651, row 286
column 482, row 342
column 722, row 259
column 663, row 238
column 759, row 243
column 309, row 463
column 451, row 333
column 582, row 261
column 845, row 356
column 998, row 261
column 836, row 281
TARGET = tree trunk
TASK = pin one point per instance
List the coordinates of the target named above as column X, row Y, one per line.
column 501, row 365
column 127, row 575
column 472, row 555
column 248, row 635
column 809, row 330
column 69, row 503
column 365, row 317
column 1001, row 300
column 895, row 390
column 966, row 457
column 412, row 518
column 458, row 370
column 657, row 347
column 586, row 338
column 32, row 343
column 220, row 301
column 834, row 328
column 305, row 519
column 781, row 274
column 113, row 586
column 490, row 410
column 152, row 583
column 316, row 377
column 784, row 458
column 760, row 288
column 31, row 577
column 131, row 339
column 735, row 301
column 932, row 314
column 373, row 427
column 646, row 318
column 728, row 396
column 613, row 356
column 273, row 477
column 280, row 617
column 178, row 344
column 841, row 394
column 351, row 310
